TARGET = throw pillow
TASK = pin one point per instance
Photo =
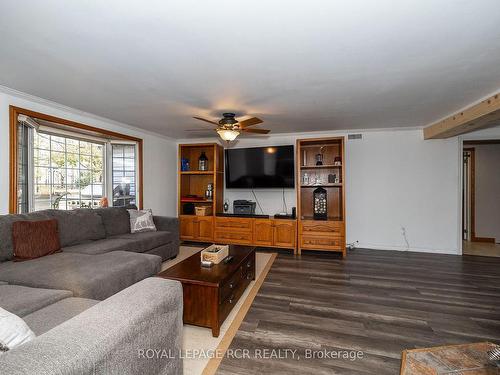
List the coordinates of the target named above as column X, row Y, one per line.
column 13, row 331
column 35, row 239
column 141, row 221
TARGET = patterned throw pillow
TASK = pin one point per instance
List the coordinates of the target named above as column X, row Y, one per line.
column 35, row 239
column 141, row 221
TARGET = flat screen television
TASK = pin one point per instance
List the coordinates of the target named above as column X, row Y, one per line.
column 260, row 167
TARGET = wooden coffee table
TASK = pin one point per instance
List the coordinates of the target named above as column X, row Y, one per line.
column 211, row 293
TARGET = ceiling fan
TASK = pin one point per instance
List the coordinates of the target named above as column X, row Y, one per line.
column 229, row 128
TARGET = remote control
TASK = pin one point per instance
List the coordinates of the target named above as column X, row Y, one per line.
column 228, row 259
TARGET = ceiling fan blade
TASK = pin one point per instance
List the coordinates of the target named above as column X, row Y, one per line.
column 198, row 130
column 250, row 122
column 256, row 131
column 209, row 121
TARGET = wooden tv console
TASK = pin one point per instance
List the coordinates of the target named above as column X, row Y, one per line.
column 258, row 230
column 304, row 233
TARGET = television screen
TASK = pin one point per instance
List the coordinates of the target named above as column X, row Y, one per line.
column 260, row 167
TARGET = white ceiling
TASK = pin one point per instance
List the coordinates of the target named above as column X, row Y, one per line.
column 299, row 65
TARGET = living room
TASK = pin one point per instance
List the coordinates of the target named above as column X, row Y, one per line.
column 303, row 192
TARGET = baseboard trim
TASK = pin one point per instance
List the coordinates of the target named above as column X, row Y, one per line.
column 483, row 239
column 411, row 249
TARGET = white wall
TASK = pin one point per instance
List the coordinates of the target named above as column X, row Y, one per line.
column 487, row 179
column 394, row 179
column 159, row 152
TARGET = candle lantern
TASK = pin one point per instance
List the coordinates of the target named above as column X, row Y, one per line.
column 203, row 162
column 320, row 211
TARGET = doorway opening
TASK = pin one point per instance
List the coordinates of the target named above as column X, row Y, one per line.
column 481, row 198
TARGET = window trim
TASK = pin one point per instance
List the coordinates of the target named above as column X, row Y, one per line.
column 13, row 156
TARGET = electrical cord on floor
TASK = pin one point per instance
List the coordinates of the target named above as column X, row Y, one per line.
column 284, row 202
column 257, row 201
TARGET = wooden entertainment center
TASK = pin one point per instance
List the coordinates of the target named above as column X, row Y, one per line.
column 327, row 234
column 303, row 233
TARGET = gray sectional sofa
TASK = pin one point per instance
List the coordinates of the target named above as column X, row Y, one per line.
column 94, row 305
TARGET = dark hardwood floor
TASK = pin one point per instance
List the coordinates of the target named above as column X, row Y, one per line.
column 377, row 302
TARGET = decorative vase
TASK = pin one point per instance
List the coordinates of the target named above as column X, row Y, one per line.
column 184, row 165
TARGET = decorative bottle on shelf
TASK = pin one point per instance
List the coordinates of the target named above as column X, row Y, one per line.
column 209, row 193
column 319, row 156
column 203, row 162
column 305, row 179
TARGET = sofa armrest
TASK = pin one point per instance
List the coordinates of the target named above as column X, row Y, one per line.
column 119, row 335
column 169, row 224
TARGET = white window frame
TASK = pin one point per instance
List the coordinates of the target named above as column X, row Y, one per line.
column 64, row 134
column 109, row 171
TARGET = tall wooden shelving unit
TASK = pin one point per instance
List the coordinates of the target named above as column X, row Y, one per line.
column 329, row 234
column 195, row 182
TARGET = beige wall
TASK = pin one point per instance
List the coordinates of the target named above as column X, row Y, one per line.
column 488, row 191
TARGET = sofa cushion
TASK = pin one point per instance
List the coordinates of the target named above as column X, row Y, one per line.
column 166, row 252
column 142, row 242
column 77, row 226
column 6, row 246
column 35, row 239
column 51, row 316
column 87, row 276
column 23, row 300
column 100, row 246
column 116, row 220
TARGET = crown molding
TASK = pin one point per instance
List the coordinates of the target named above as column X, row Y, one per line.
column 321, row 133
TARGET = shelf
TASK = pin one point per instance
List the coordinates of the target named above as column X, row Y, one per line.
column 324, row 166
column 197, row 172
column 330, row 218
column 321, row 185
column 194, row 215
column 334, row 143
column 195, row 201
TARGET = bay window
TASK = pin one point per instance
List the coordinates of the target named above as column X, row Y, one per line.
column 60, row 169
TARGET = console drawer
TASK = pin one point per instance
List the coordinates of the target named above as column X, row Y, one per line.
column 239, row 223
column 228, row 303
column 321, row 242
column 229, row 287
column 239, row 238
column 321, row 227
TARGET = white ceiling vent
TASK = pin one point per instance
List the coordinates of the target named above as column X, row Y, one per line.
column 354, row 136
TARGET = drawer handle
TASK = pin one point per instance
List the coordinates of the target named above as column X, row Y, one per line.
column 250, row 276
column 231, row 285
column 231, row 299
column 249, row 264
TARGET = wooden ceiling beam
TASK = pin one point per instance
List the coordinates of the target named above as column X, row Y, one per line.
column 478, row 116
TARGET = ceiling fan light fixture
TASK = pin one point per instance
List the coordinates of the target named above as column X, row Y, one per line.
column 228, row 135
